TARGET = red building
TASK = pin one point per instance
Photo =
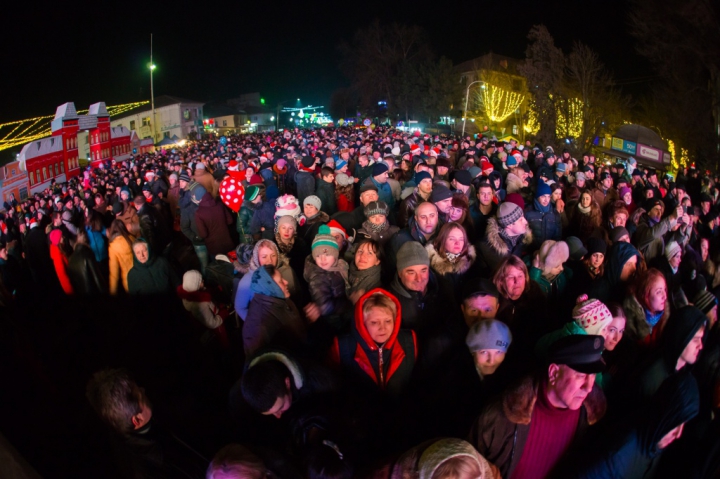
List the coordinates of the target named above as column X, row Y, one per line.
column 56, row 157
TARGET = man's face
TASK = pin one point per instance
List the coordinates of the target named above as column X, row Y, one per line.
column 485, row 195
column 567, row 388
column 544, row 200
column 444, row 205
column 693, row 348
column 460, row 186
column 655, row 212
column 425, row 186
column 382, row 177
column 607, row 183
column 517, row 228
column 514, row 282
column 479, row 307
column 415, row 278
column 488, row 360
column 363, row 160
column 368, row 197
column 619, row 219
column 282, row 404
column 426, row 217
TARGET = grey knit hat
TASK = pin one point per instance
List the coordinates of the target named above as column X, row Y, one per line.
column 508, row 213
column 313, row 200
column 488, row 334
column 410, row 254
column 376, row 208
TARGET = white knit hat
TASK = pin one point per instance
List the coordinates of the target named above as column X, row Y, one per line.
column 192, row 280
column 592, row 315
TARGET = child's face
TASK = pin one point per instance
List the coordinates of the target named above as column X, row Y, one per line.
column 325, row 261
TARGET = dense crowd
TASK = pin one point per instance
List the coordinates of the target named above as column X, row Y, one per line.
column 397, row 305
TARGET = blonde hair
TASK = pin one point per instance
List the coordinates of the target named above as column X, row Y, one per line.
column 235, row 462
column 459, row 467
column 379, row 300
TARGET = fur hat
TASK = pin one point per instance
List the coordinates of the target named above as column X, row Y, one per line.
column 552, row 254
column 192, row 280
column 591, row 314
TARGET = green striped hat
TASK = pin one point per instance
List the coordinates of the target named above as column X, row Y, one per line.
column 324, row 243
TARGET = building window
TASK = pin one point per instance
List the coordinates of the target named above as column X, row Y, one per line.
column 132, row 124
column 12, row 172
column 224, row 122
column 515, row 130
column 166, row 134
column 32, row 178
column 146, row 121
column 186, row 114
column 44, row 173
column 62, row 167
column 23, row 194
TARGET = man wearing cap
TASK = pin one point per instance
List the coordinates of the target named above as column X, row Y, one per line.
column 420, row 193
column 441, row 197
column 652, row 229
column 379, row 178
column 604, row 193
column 544, row 221
column 355, row 218
column 416, row 287
column 506, row 234
column 559, row 403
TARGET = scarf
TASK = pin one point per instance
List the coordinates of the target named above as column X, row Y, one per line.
column 584, row 210
column 541, row 208
column 512, row 239
column 451, row 257
column 373, row 228
column 651, row 318
column 284, row 248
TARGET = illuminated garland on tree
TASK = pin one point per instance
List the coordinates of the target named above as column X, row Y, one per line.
column 31, row 129
column 532, row 126
column 499, row 103
column 569, row 118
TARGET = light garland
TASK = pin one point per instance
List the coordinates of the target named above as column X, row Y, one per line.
column 531, row 126
column 569, row 118
column 499, row 103
column 24, row 131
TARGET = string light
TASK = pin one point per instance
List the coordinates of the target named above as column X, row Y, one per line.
column 569, row 118
column 19, row 132
column 532, row 126
column 499, row 103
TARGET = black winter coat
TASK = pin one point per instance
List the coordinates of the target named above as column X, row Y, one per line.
column 84, row 272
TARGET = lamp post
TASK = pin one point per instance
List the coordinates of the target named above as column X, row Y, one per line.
column 467, row 94
column 152, row 91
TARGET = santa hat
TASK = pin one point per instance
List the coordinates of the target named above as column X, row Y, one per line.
column 33, row 223
column 414, row 147
column 233, row 166
column 336, row 228
column 486, row 166
column 516, row 154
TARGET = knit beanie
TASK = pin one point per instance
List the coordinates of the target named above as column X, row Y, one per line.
column 591, row 314
column 511, row 161
column 580, row 176
column 488, row 334
column 486, row 166
column 542, row 189
column 285, row 219
column 287, row 205
column 440, row 192
column 313, row 200
column 340, row 164
column 618, row 232
column 192, row 280
column 422, row 175
column 560, row 167
column 324, row 243
column 463, row 177
column 704, row 301
column 343, row 179
column 336, row 228
column 376, row 208
column 596, row 245
column 410, row 254
column 508, row 213
column 672, row 249
column 198, row 193
column 379, row 168
column 251, row 192
column 184, row 177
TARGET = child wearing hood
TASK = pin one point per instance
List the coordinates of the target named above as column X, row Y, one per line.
column 198, row 301
column 327, row 277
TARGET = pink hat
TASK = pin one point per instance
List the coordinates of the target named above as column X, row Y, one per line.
column 591, row 314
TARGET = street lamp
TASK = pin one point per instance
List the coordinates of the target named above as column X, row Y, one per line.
column 467, row 94
column 152, row 67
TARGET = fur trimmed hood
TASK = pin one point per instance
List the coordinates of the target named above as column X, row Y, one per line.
column 442, row 266
column 497, row 243
column 518, row 402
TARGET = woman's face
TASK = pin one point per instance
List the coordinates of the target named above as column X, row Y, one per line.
column 514, row 282
column 629, row 269
column 267, row 256
column 704, row 249
column 455, row 241
column 657, row 296
column 556, row 270
column 455, row 213
column 141, row 252
column 497, row 183
column 379, row 323
column 366, row 257
column 286, row 232
column 597, row 259
column 613, row 333
column 585, row 200
column 310, row 210
column 556, row 195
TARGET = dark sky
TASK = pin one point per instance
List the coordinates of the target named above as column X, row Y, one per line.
column 99, row 51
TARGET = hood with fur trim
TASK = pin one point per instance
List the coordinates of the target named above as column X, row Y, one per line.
column 443, row 266
column 497, row 243
column 518, row 402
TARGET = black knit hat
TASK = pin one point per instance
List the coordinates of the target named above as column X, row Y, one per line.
column 596, row 245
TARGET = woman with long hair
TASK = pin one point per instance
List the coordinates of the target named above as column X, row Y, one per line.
column 120, row 255
column 647, row 307
column 586, row 217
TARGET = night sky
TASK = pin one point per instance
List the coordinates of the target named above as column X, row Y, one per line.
column 98, row 51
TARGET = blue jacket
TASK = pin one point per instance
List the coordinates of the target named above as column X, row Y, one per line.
column 305, row 183
column 544, row 225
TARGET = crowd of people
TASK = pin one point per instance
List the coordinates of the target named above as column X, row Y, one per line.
column 389, row 304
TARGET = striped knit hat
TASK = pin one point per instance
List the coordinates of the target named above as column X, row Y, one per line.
column 324, row 243
column 591, row 314
column 704, row 301
column 508, row 213
column 376, row 208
